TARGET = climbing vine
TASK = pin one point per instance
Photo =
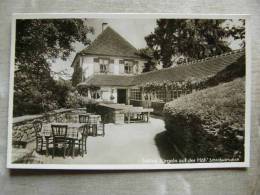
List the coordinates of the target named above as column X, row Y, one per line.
column 188, row 85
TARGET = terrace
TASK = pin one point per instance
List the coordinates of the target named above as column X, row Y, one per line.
column 84, row 135
column 98, row 130
column 114, row 148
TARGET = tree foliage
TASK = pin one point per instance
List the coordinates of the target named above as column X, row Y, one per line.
column 76, row 79
column 239, row 32
column 148, row 55
column 180, row 40
column 38, row 42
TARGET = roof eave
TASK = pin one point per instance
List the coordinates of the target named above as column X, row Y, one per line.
column 72, row 64
column 95, row 54
column 114, row 85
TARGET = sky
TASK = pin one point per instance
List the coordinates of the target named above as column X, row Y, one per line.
column 133, row 30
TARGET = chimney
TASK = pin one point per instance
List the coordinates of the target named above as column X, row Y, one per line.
column 104, row 24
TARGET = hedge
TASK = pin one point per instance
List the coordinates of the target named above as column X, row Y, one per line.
column 209, row 124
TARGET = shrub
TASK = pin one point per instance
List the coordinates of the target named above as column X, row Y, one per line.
column 209, row 123
column 75, row 100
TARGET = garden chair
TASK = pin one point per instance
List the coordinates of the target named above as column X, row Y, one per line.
column 83, row 141
column 59, row 133
column 97, row 127
column 101, row 129
column 40, row 142
column 83, row 118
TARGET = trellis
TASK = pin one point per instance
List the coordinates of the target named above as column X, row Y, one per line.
column 167, row 90
column 84, row 89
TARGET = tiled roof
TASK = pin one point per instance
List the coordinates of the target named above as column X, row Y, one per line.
column 108, row 80
column 196, row 69
column 110, row 43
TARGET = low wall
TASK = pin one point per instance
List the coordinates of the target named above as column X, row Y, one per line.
column 110, row 114
column 23, row 131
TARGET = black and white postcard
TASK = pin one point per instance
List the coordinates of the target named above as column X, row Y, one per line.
column 129, row 91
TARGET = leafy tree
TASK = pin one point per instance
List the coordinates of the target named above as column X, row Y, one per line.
column 38, row 42
column 33, row 93
column 238, row 32
column 75, row 76
column 148, row 55
column 175, row 40
column 62, row 90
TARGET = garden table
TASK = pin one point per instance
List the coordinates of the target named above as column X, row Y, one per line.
column 94, row 118
column 79, row 111
column 74, row 132
column 73, row 117
column 138, row 110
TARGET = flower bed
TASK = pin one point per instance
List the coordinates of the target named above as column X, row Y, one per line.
column 209, row 124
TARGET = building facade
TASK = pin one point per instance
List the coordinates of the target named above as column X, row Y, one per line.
column 107, row 64
column 112, row 72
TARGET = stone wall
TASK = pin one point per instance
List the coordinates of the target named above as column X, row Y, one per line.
column 23, row 131
column 110, row 115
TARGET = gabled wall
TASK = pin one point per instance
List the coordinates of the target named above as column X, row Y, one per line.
column 90, row 67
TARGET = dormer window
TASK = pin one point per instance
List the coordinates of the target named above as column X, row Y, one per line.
column 104, row 65
column 128, row 66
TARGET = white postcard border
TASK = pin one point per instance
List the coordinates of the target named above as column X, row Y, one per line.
column 244, row 164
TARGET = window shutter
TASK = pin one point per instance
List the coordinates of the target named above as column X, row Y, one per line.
column 97, row 68
column 96, row 60
column 136, row 67
column 121, row 69
column 111, row 68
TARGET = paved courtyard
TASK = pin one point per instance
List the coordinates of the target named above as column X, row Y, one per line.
column 123, row 144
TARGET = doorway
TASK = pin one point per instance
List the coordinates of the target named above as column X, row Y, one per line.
column 121, row 96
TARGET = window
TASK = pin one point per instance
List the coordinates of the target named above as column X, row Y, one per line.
column 179, row 93
column 96, row 60
column 174, row 94
column 104, row 65
column 135, row 94
column 96, row 94
column 129, row 67
column 103, row 68
column 161, row 95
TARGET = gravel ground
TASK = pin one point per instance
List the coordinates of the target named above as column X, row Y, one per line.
column 122, row 144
